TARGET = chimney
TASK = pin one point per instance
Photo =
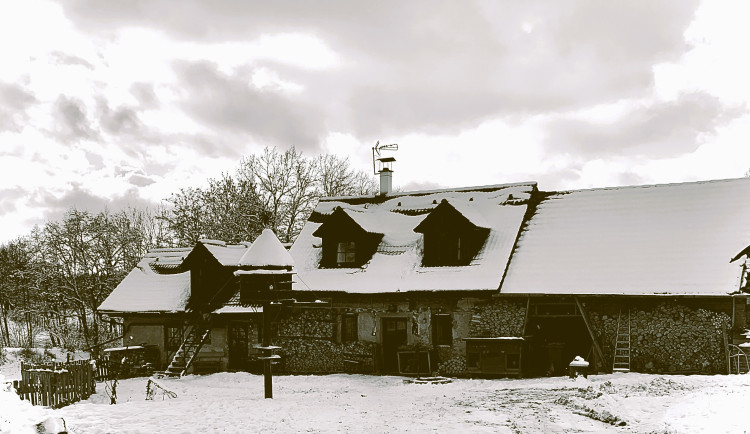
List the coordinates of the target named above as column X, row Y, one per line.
column 383, row 166
column 386, row 180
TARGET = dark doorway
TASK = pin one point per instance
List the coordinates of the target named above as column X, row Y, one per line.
column 394, row 336
column 238, row 339
column 553, row 342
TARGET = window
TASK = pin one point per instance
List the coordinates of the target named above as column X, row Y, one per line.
column 442, row 329
column 345, row 253
column 444, row 249
column 349, row 329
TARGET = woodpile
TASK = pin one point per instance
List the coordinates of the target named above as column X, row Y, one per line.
column 669, row 338
column 310, row 323
column 498, row 318
column 452, row 362
column 301, row 355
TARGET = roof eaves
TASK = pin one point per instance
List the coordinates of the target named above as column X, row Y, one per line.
column 381, row 198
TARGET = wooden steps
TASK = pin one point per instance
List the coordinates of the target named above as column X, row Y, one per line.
column 185, row 355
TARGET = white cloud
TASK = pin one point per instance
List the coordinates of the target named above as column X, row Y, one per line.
column 470, row 91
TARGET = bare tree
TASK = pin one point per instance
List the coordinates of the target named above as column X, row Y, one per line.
column 227, row 209
column 274, row 189
column 336, row 177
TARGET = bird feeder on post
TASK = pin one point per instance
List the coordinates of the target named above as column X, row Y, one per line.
column 265, row 277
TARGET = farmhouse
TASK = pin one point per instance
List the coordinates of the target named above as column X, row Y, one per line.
column 492, row 280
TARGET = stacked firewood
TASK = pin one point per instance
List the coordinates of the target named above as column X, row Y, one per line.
column 498, row 318
column 313, row 323
column 670, row 338
column 322, row 356
column 452, row 361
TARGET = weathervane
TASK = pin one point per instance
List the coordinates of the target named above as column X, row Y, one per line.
column 385, row 162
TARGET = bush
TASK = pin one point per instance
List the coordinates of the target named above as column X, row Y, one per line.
column 29, row 355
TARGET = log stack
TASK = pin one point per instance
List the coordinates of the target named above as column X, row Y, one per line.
column 311, row 323
column 498, row 318
column 452, row 361
column 301, row 355
column 669, row 338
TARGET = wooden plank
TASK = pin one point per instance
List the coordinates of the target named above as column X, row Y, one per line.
column 599, row 354
column 526, row 317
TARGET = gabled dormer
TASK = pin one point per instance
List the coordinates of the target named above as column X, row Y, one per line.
column 350, row 239
column 451, row 237
column 207, row 274
column 265, row 271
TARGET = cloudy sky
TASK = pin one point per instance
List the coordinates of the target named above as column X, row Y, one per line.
column 114, row 103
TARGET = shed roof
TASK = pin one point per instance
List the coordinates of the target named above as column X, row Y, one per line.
column 397, row 262
column 144, row 290
column 228, row 255
column 652, row 239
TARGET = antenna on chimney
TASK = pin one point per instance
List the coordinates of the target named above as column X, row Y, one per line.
column 384, row 165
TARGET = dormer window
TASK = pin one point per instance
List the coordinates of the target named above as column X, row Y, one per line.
column 443, row 249
column 346, row 254
column 451, row 238
column 349, row 239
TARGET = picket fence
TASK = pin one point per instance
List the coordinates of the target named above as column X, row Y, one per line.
column 56, row 384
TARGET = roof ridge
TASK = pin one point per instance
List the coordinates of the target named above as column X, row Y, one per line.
column 664, row 184
column 426, row 192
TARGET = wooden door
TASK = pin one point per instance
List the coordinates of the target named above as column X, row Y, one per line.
column 394, row 336
column 238, row 345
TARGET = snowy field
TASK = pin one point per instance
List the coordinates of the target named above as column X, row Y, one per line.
column 233, row 402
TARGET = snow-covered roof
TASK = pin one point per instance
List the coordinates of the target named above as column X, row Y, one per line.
column 228, row 255
column 654, row 239
column 397, row 262
column 146, row 290
column 267, row 251
column 235, row 305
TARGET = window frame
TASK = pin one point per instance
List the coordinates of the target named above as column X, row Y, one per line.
column 443, row 249
column 349, row 327
column 442, row 329
column 348, row 249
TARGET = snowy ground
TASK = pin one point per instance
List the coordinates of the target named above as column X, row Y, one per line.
column 233, row 402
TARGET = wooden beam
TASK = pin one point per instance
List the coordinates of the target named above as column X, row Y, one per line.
column 526, row 318
column 585, row 317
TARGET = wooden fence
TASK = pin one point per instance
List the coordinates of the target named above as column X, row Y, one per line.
column 56, row 384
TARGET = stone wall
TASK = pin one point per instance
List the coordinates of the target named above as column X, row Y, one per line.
column 666, row 337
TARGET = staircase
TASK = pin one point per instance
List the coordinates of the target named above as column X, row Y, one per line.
column 621, row 360
column 194, row 338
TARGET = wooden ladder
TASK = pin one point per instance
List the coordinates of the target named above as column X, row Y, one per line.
column 184, row 356
column 621, row 359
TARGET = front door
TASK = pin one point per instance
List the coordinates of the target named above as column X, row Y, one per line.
column 238, row 344
column 394, row 336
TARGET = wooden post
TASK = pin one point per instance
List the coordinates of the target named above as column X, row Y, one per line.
column 267, row 374
column 598, row 353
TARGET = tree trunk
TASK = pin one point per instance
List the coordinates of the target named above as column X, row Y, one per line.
column 6, row 330
column 30, row 337
column 85, row 327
